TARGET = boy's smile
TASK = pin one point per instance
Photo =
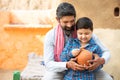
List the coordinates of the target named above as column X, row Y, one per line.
column 84, row 35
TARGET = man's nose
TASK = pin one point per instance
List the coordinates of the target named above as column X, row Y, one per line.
column 69, row 25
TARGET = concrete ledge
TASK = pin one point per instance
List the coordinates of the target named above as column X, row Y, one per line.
column 35, row 69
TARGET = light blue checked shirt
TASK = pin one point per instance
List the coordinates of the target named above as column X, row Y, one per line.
column 66, row 55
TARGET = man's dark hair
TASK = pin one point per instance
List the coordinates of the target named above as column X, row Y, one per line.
column 65, row 9
column 84, row 23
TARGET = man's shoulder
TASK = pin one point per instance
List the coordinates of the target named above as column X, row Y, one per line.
column 51, row 32
column 73, row 40
column 50, row 36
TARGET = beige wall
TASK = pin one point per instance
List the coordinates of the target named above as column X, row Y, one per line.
column 17, row 42
column 101, row 12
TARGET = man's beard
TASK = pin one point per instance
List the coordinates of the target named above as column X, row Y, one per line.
column 68, row 30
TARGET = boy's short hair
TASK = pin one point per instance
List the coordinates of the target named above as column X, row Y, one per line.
column 65, row 9
column 84, row 23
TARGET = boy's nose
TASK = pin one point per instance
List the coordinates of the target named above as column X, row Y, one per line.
column 83, row 36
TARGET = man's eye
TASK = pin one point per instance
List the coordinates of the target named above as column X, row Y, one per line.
column 65, row 22
column 72, row 21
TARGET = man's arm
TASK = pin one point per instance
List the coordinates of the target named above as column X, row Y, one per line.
column 106, row 54
column 50, row 63
column 99, row 60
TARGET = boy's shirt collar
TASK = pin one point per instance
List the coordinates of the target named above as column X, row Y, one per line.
column 91, row 42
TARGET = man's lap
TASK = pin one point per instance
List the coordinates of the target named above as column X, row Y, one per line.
column 100, row 75
column 53, row 76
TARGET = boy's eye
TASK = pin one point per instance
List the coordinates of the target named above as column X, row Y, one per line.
column 80, row 33
column 86, row 33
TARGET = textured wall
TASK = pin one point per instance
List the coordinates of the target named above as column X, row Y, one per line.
column 17, row 44
column 101, row 12
column 25, row 4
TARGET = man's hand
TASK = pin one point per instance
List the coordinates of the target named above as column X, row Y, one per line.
column 96, row 62
column 73, row 65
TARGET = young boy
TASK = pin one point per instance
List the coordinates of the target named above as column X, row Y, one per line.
column 84, row 27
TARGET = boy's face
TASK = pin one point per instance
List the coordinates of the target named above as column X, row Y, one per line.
column 67, row 22
column 84, row 35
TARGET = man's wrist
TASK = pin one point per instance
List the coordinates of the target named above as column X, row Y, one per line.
column 67, row 65
column 102, row 61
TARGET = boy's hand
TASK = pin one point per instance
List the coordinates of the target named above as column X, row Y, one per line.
column 75, row 52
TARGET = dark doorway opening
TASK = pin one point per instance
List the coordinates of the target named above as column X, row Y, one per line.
column 116, row 11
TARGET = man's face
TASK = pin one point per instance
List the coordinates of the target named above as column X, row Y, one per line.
column 67, row 23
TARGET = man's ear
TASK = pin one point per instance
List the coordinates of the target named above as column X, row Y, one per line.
column 58, row 19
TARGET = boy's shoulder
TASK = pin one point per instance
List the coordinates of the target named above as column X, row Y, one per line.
column 92, row 41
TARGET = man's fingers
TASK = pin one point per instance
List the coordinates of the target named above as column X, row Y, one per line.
column 91, row 61
column 80, row 67
column 73, row 59
column 73, row 65
column 92, row 66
